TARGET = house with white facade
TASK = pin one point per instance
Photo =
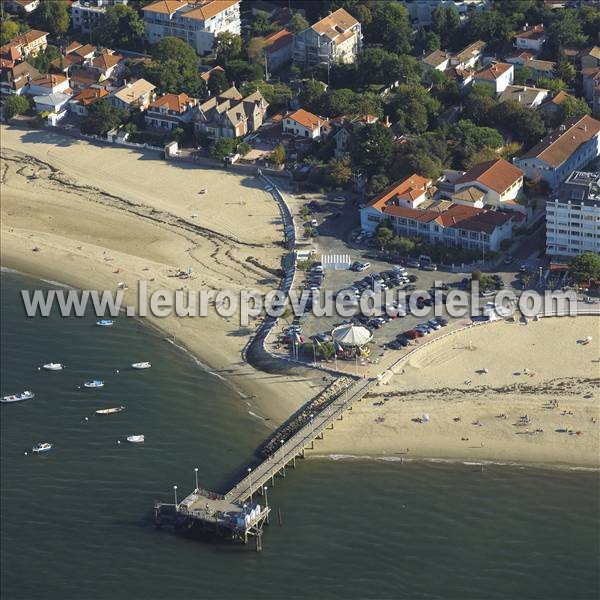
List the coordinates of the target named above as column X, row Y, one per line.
column 302, row 123
column 197, row 22
column 335, row 39
column 81, row 102
column 87, row 14
column 408, row 207
column 171, row 111
column 24, row 7
column 497, row 74
column 48, row 84
column 30, row 42
column 531, row 38
column 55, row 104
column 573, row 216
column 568, row 148
column 15, row 79
column 524, row 95
column 500, row 181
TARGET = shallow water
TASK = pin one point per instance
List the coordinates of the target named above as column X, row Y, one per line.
column 76, row 523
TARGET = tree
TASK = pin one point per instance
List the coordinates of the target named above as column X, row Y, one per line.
column 339, row 171
column 523, row 75
column 384, row 234
column 572, row 107
column 371, row 148
column 472, row 139
column 585, row 267
column 102, row 117
column 565, row 30
column 278, row 95
column 554, row 85
column 228, row 46
column 217, row 82
column 414, row 108
column 239, row 71
column 52, row 16
column 256, row 50
column 445, row 22
column 222, row 147
column 121, row 27
column 427, row 41
column 310, row 93
column 391, row 27
column 15, row 105
column 261, row 23
column 297, row 23
column 174, row 68
column 8, row 30
column 172, row 48
column 43, row 59
column 489, row 25
column 377, row 184
column 566, row 71
column 525, row 124
column 277, row 156
column 244, row 148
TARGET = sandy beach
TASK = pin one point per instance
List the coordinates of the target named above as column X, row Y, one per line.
column 101, row 215
column 478, row 415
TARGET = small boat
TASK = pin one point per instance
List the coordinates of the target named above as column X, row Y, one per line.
column 26, row 395
column 110, row 411
column 105, row 323
column 135, row 439
column 94, row 383
column 41, row 447
column 141, row 365
column 53, row 367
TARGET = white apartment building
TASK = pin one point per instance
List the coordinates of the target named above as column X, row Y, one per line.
column 335, row 39
column 86, row 14
column 573, row 216
column 197, row 22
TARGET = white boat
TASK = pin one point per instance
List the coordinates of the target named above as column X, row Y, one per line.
column 41, row 447
column 105, row 323
column 135, row 439
column 26, row 395
column 141, row 365
column 110, row 411
column 95, row 383
column 53, row 367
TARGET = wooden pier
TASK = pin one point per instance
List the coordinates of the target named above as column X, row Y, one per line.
column 241, row 512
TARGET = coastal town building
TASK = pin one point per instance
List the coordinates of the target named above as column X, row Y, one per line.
column 24, row 7
column 80, row 103
column 409, row 207
column 530, row 97
column 540, row 68
column 197, row 22
column 335, row 39
column 573, row 216
column 499, row 75
column 171, row 111
column 302, row 123
column 500, row 181
column 459, row 66
column 531, row 38
column 30, row 42
column 108, row 64
column 568, row 148
column 230, row 115
column 87, row 14
column 15, row 79
column 469, row 56
column 54, row 103
column 591, row 58
column 344, row 129
column 139, row 94
column 278, row 49
column 48, row 84
column 420, row 11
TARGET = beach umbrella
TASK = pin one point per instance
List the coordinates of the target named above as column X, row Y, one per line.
column 425, row 418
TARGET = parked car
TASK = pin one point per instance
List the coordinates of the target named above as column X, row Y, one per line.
column 443, row 322
column 433, row 323
column 394, row 345
column 487, row 293
column 413, row 334
column 429, row 267
column 508, row 260
column 364, row 266
column 412, row 262
column 424, row 328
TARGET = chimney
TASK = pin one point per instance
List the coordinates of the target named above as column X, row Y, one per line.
column 387, row 121
column 520, row 97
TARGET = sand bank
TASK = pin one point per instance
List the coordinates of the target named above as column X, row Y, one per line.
column 103, row 215
column 474, row 415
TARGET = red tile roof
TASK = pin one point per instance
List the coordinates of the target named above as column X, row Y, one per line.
column 306, row 119
column 90, row 95
column 178, row 103
column 494, row 71
column 278, row 39
column 497, row 175
column 408, row 189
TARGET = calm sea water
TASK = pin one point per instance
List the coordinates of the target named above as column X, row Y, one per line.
column 77, row 523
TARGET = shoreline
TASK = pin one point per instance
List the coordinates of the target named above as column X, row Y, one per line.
column 91, row 238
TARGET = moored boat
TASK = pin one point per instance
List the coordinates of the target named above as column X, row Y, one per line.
column 26, row 395
column 94, row 383
column 110, row 411
column 141, row 365
column 53, row 367
column 105, row 323
column 135, row 439
column 41, row 447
